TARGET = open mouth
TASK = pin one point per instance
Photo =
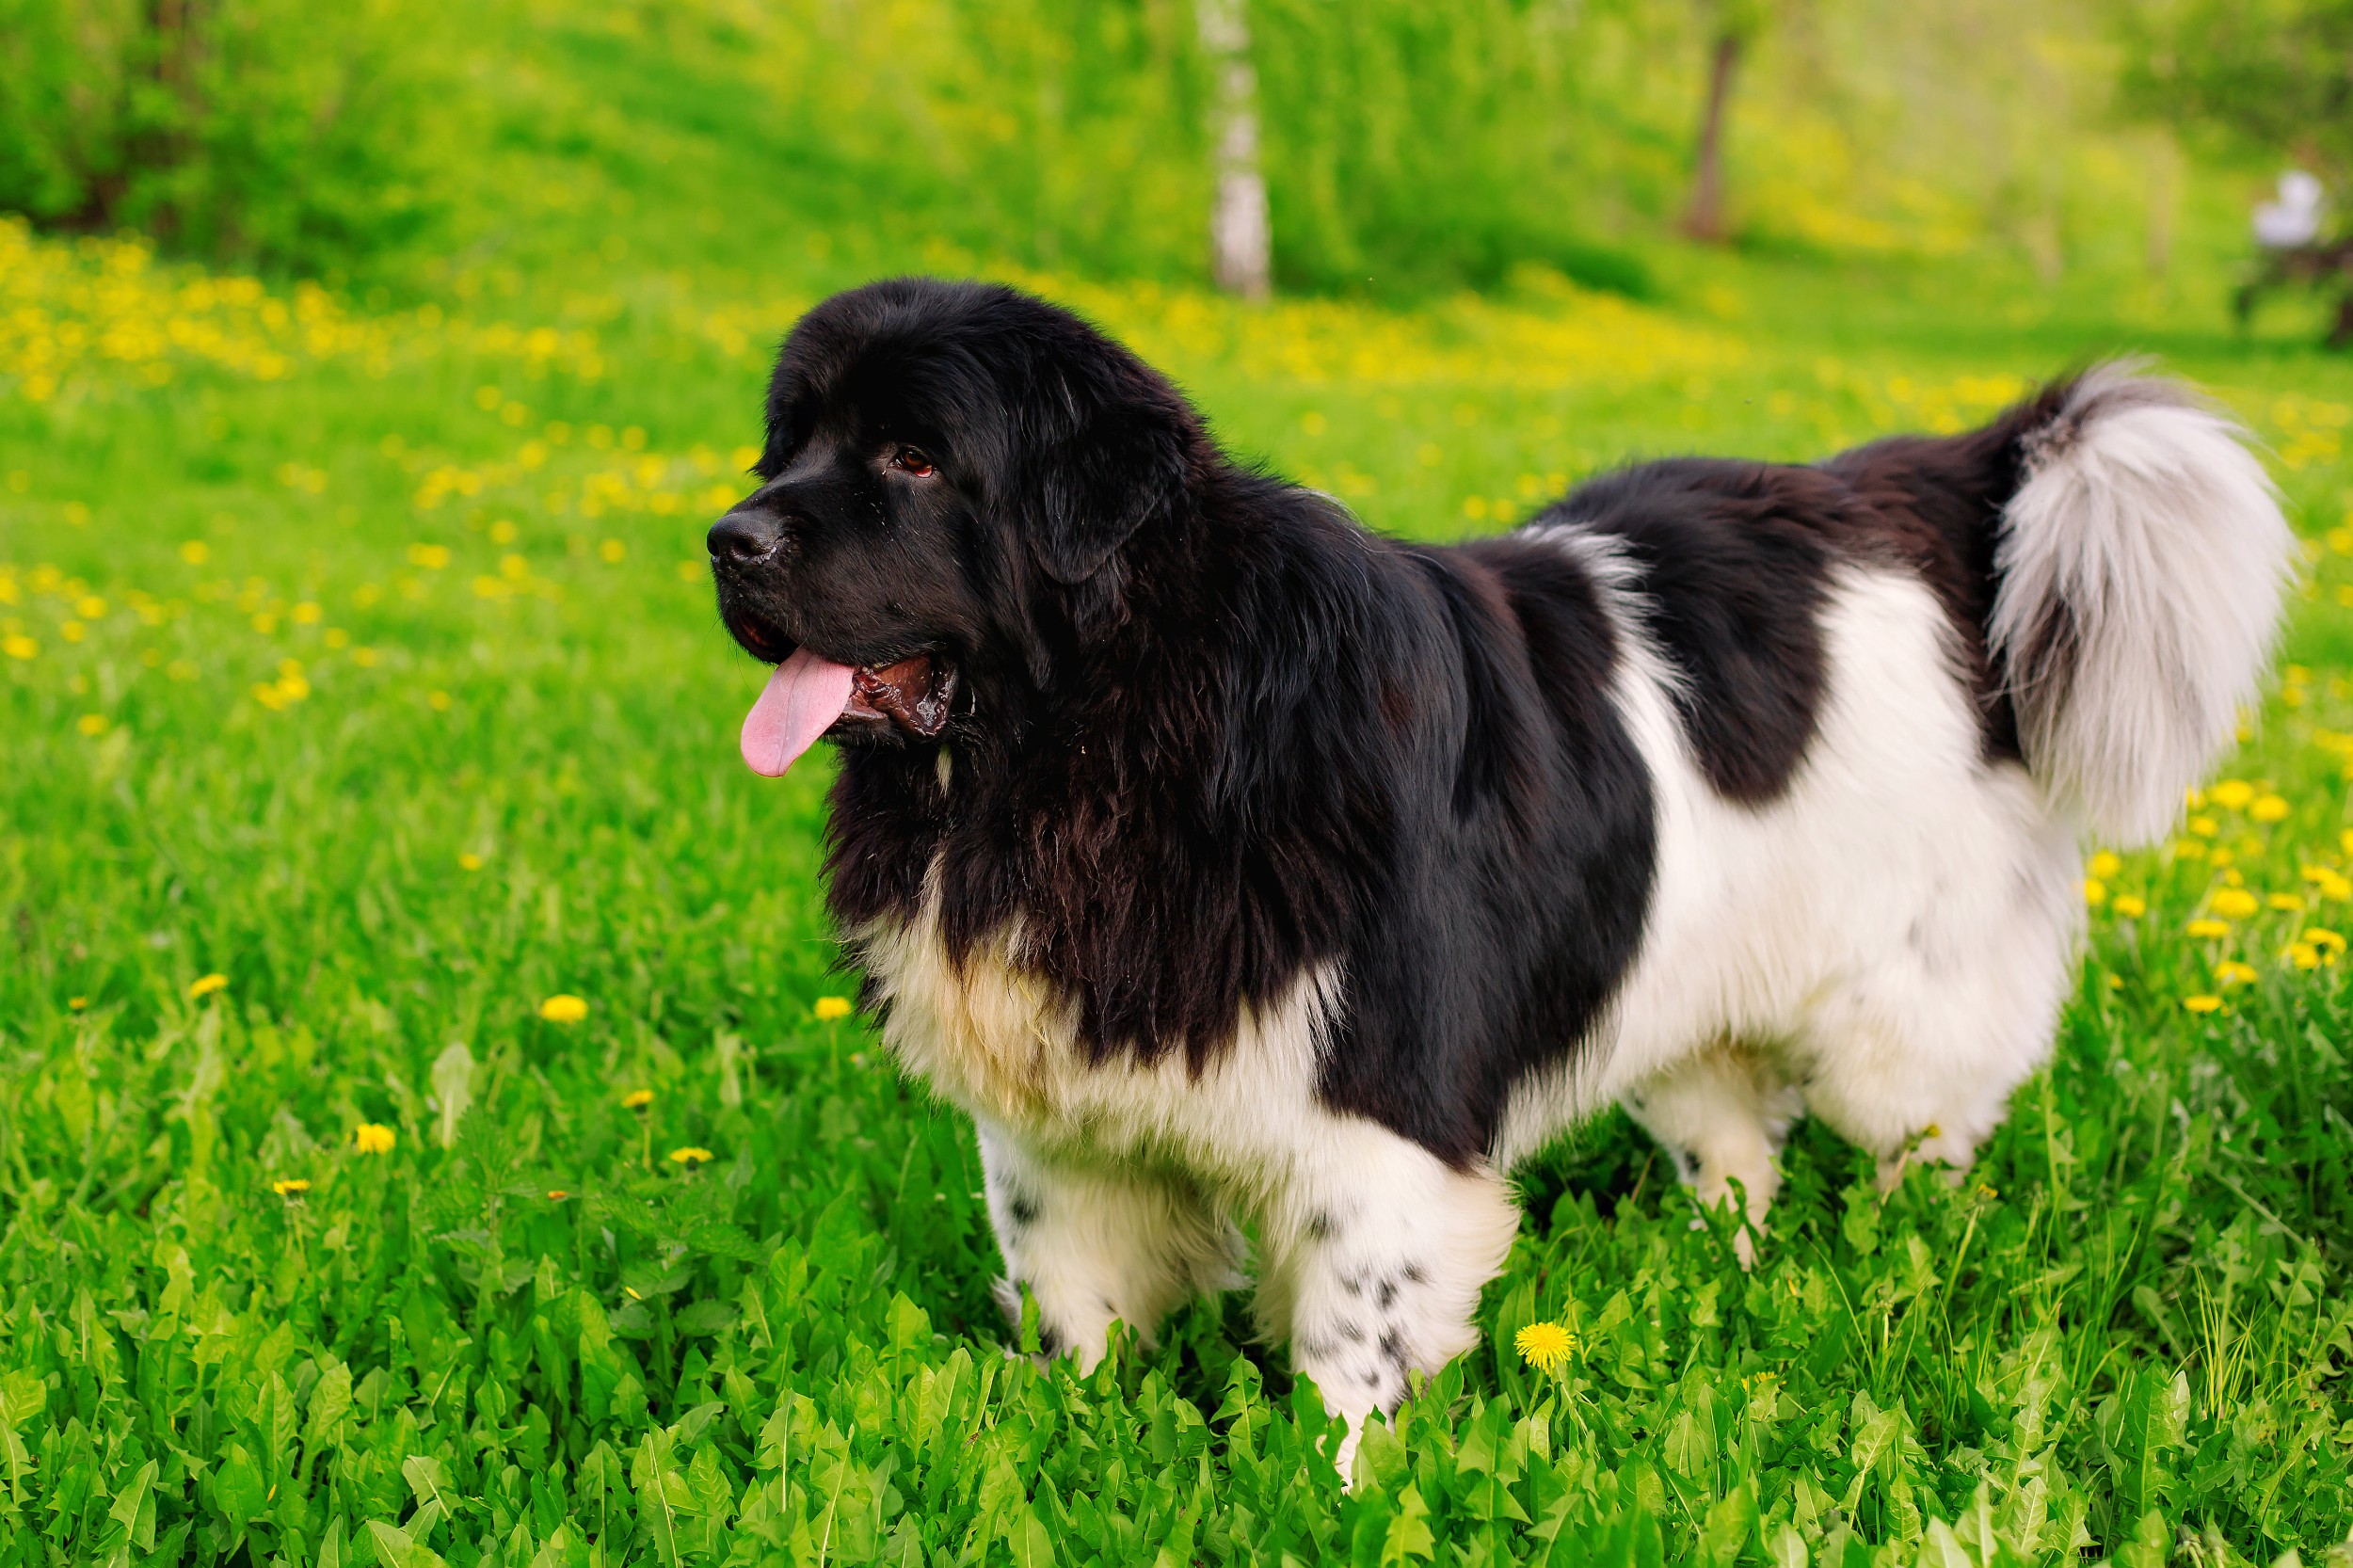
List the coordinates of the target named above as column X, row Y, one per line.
column 912, row 694
column 809, row 697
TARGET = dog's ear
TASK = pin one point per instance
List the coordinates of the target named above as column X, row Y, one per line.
column 1104, row 456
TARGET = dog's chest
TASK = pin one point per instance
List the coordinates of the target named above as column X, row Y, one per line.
column 1002, row 1041
column 994, row 1037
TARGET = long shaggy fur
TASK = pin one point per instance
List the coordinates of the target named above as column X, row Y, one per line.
column 1267, row 869
column 2140, row 567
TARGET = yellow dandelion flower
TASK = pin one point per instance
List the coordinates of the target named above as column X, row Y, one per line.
column 292, row 1187
column 2234, row 903
column 564, row 1008
column 374, row 1138
column 2095, row 891
column 470, row 861
column 196, row 552
column 2302, row 954
column 2231, row 795
column 2288, row 902
column 2206, row 929
column 690, row 1157
column 2231, row 972
column 2128, row 907
column 2104, row 864
column 831, row 1008
column 1544, row 1346
column 2205, row 827
column 637, row 1099
column 77, row 1003
column 557, row 1194
column 91, row 724
column 2202, row 1004
column 206, row 985
column 2321, row 936
column 2334, row 884
column 2188, row 848
column 16, row 644
column 2268, row 809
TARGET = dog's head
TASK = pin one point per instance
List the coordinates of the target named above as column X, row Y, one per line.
column 949, row 467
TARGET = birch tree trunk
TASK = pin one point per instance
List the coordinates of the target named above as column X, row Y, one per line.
column 1240, row 237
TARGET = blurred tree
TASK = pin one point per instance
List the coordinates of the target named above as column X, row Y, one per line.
column 2273, row 76
column 1240, row 236
column 250, row 131
column 1732, row 27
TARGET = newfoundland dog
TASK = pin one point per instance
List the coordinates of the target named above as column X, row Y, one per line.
column 1223, row 859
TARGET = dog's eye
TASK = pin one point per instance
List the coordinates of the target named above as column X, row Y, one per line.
column 913, row 460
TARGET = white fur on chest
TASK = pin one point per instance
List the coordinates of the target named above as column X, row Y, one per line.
column 993, row 1036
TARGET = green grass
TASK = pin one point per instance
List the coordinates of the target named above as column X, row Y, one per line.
column 501, row 767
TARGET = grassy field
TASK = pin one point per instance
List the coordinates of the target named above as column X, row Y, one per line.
column 427, row 1134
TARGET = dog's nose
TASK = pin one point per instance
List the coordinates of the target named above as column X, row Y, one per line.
column 742, row 539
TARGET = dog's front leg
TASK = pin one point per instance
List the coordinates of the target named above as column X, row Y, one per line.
column 1095, row 1241
column 1376, row 1252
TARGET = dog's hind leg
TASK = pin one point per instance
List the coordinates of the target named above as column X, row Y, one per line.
column 1722, row 1116
column 1914, row 1058
column 1376, row 1252
column 1094, row 1243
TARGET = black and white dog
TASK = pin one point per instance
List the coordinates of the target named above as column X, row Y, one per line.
column 1223, row 858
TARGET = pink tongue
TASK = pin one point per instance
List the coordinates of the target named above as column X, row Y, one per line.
column 799, row 703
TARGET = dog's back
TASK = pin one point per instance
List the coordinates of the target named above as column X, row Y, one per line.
column 1881, row 702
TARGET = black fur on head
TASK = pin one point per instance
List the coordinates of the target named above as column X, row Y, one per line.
column 951, row 470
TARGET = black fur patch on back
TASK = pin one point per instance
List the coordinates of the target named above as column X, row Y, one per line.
column 1732, row 568
column 1523, row 859
column 1934, row 505
column 1734, row 562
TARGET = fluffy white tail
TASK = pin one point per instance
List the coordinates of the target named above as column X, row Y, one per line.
column 2139, row 577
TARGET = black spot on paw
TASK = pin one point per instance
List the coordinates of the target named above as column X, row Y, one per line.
column 1022, row 1209
column 1386, row 1297
column 1319, row 1226
column 1414, row 1273
column 1352, row 1331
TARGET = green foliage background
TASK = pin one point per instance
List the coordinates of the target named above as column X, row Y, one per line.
column 309, row 137
column 527, row 1335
